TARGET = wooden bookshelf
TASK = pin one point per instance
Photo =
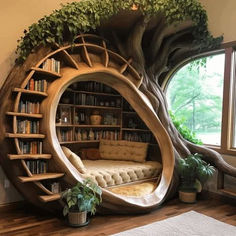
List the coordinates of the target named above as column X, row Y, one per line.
column 79, row 103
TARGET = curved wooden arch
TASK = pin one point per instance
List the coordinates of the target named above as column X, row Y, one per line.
column 109, row 68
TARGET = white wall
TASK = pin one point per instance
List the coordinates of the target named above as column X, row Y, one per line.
column 17, row 15
column 222, row 18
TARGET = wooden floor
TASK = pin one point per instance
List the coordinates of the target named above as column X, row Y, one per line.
column 31, row 222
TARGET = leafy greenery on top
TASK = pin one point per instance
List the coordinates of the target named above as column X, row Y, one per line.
column 86, row 15
column 193, row 170
column 82, row 197
column 184, row 130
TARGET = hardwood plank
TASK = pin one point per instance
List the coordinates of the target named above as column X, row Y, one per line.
column 33, row 221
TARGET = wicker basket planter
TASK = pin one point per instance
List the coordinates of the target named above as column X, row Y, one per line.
column 77, row 219
column 187, row 197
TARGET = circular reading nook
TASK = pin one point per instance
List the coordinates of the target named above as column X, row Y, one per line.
column 48, row 120
column 84, row 106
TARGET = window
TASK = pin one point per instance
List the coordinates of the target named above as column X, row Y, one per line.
column 199, row 93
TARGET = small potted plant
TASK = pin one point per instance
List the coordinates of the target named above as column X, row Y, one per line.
column 194, row 172
column 79, row 200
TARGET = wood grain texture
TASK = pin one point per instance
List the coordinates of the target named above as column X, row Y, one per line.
column 31, row 221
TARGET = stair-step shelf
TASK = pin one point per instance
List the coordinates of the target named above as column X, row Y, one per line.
column 50, row 198
column 39, row 177
column 19, row 135
column 32, row 92
column 29, row 156
column 30, row 115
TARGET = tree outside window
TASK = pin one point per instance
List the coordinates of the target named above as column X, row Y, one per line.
column 195, row 94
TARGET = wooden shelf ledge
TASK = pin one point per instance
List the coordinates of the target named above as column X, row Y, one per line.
column 30, row 115
column 50, row 198
column 18, row 135
column 88, row 126
column 33, row 92
column 97, row 107
column 29, row 156
column 93, row 93
column 45, row 72
column 82, row 141
column 39, row 177
column 135, row 130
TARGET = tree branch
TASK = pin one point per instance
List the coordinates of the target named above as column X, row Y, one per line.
column 163, row 31
column 134, row 42
column 119, row 45
column 161, row 62
column 187, row 102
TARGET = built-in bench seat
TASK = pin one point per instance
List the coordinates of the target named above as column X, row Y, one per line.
column 116, row 162
column 108, row 173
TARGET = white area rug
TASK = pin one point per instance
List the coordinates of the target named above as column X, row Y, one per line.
column 187, row 224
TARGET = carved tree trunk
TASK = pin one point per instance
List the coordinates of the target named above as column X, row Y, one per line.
column 155, row 48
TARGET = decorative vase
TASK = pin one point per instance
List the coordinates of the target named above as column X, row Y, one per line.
column 95, row 119
column 77, row 218
column 187, row 197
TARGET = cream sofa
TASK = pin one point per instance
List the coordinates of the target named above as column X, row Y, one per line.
column 119, row 162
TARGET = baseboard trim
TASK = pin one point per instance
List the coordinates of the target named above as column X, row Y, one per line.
column 218, row 196
column 12, row 206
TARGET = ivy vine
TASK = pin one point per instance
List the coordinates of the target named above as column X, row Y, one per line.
column 86, row 15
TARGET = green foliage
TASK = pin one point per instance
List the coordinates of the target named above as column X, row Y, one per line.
column 195, row 92
column 86, row 15
column 82, row 197
column 184, row 130
column 193, row 170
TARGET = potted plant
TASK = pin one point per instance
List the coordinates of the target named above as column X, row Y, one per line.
column 194, row 172
column 79, row 200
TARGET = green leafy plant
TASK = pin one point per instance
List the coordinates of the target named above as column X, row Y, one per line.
column 82, row 197
column 86, row 15
column 184, row 130
column 194, row 172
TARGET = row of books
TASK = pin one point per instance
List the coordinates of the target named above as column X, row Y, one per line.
column 93, row 100
column 138, row 137
column 37, row 166
column 51, row 65
column 54, row 187
column 31, row 147
column 37, row 85
column 93, row 86
column 64, row 135
column 84, row 134
column 27, row 127
column 29, row 107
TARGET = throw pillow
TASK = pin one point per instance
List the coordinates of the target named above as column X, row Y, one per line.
column 123, row 150
column 74, row 159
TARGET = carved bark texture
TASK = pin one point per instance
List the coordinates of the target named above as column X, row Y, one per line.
column 166, row 46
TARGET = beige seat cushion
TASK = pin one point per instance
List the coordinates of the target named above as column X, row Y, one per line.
column 74, row 159
column 110, row 173
column 135, row 190
column 123, row 150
